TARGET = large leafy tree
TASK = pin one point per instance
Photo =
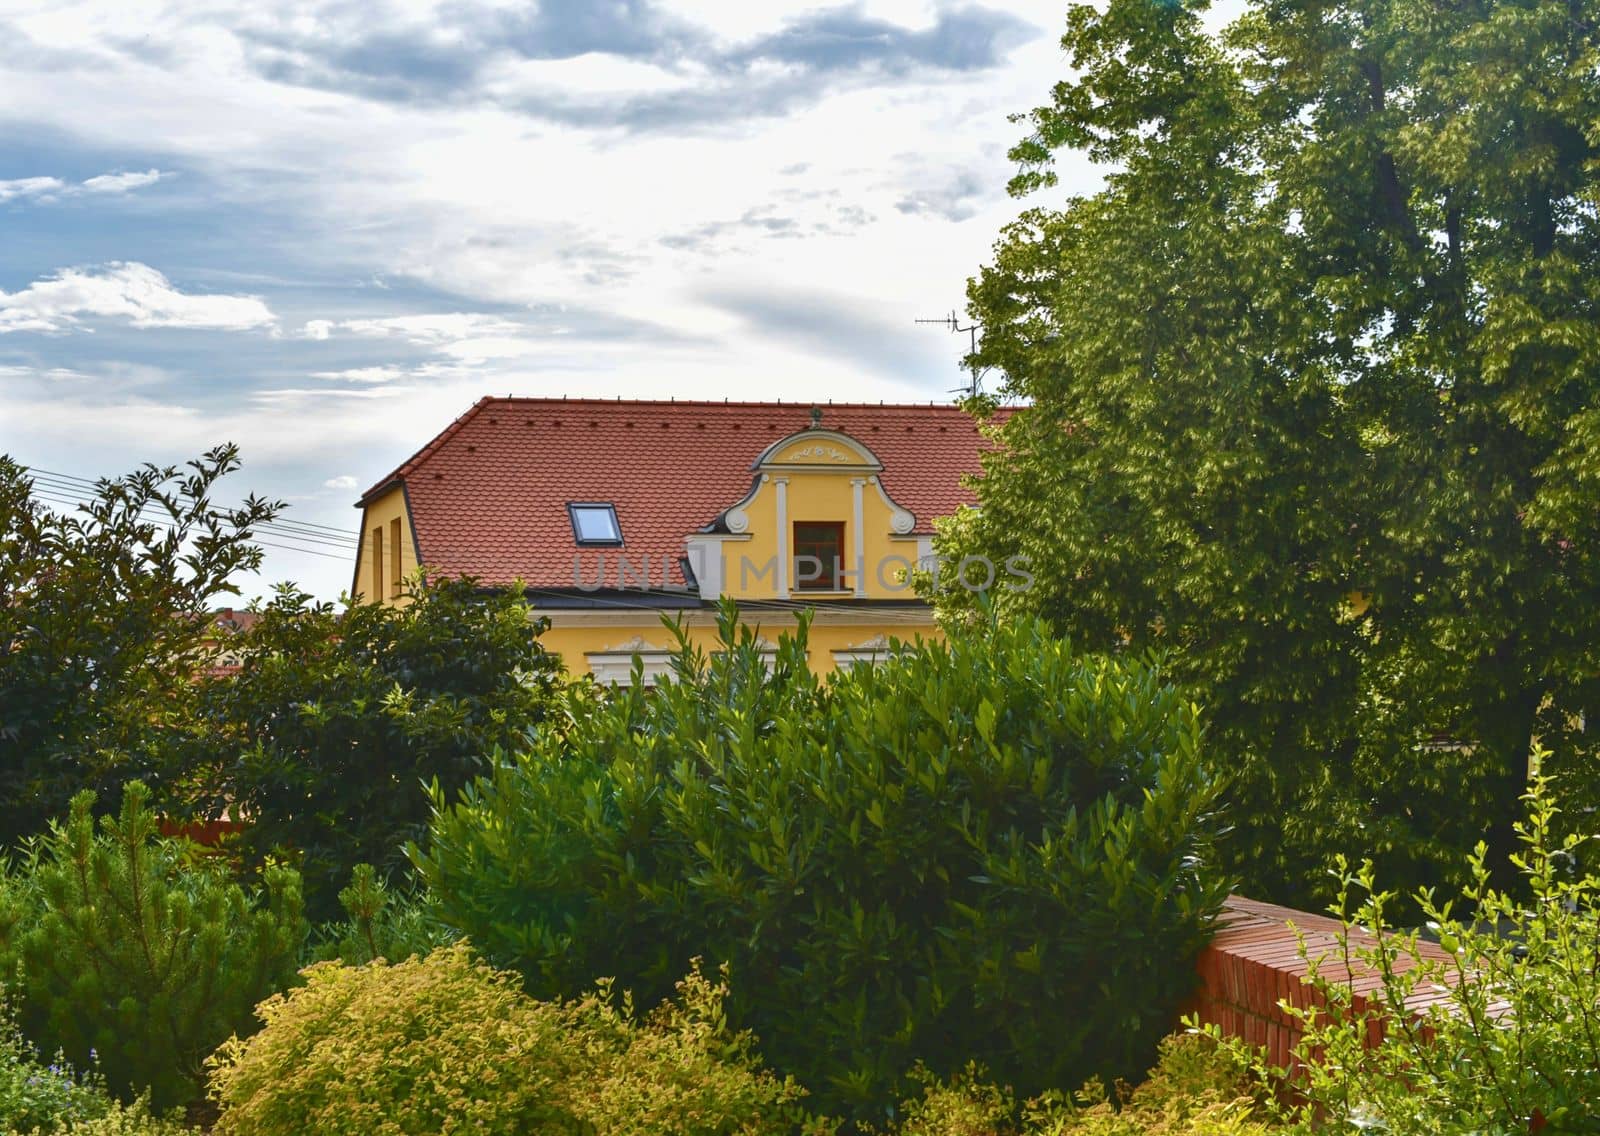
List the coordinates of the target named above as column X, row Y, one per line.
column 1314, row 387
column 325, row 738
column 104, row 611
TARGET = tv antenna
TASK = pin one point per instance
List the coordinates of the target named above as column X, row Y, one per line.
column 973, row 388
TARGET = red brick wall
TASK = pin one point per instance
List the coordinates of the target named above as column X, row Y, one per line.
column 1255, row 962
column 208, row 833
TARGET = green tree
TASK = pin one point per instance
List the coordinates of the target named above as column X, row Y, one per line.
column 994, row 847
column 1313, row 390
column 336, row 721
column 103, row 612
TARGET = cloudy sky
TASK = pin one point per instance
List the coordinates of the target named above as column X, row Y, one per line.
column 321, row 229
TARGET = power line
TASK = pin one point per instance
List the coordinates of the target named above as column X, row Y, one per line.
column 156, row 515
column 74, row 482
column 60, row 498
column 309, row 532
column 307, row 529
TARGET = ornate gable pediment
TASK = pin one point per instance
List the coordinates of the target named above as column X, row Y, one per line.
column 810, row 449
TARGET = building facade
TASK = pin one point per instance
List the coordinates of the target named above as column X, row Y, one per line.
column 615, row 513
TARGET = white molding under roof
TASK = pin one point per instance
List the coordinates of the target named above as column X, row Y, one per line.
column 871, row 651
column 613, row 666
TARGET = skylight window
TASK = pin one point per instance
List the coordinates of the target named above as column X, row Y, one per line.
column 595, row 523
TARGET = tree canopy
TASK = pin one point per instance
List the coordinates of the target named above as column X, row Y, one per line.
column 335, row 722
column 103, row 614
column 1313, row 389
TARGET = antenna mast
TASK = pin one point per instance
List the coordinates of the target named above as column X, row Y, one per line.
column 972, row 389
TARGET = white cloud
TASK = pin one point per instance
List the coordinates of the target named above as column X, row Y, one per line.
column 432, row 329
column 128, row 291
column 121, row 183
column 53, row 188
column 343, row 481
column 361, row 375
column 29, row 187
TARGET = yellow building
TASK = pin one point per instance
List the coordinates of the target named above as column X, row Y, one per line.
column 614, row 513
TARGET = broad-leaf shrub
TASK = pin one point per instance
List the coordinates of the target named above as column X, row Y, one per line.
column 1508, row 1039
column 130, row 949
column 323, row 738
column 990, row 847
column 446, row 1044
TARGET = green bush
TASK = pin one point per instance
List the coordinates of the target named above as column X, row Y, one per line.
column 1509, row 1037
column 993, row 847
column 131, row 949
column 379, row 923
column 445, row 1045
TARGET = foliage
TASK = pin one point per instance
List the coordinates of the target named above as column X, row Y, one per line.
column 1502, row 1035
column 1313, row 401
column 379, row 924
column 445, row 1044
column 102, row 612
column 335, row 721
column 993, row 847
column 34, row 1095
column 120, row 1119
column 1196, row 1089
column 133, row 950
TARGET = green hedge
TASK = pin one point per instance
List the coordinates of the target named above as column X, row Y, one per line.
column 994, row 847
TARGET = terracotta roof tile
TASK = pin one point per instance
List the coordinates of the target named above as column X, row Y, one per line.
column 489, row 495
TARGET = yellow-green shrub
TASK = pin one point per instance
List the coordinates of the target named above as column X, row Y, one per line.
column 1197, row 1089
column 121, row 1120
column 446, row 1044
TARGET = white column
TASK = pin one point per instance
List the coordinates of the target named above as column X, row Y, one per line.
column 858, row 533
column 781, row 487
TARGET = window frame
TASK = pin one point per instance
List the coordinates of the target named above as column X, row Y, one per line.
column 595, row 542
column 397, row 567
column 377, row 563
column 823, row 582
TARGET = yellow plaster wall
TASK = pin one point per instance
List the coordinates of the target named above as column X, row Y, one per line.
column 571, row 637
column 381, row 512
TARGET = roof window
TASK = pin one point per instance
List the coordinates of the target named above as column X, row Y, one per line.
column 595, row 522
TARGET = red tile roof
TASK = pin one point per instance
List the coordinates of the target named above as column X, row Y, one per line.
column 489, row 495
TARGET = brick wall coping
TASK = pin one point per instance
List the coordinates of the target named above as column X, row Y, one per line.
column 1254, row 962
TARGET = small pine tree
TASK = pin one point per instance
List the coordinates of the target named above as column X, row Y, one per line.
column 133, row 952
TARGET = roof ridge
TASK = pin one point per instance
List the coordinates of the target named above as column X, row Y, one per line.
column 410, row 465
column 771, row 404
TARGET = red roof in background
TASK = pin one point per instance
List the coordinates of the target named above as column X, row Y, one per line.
column 489, row 495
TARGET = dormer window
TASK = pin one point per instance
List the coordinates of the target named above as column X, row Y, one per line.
column 818, row 556
column 594, row 522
